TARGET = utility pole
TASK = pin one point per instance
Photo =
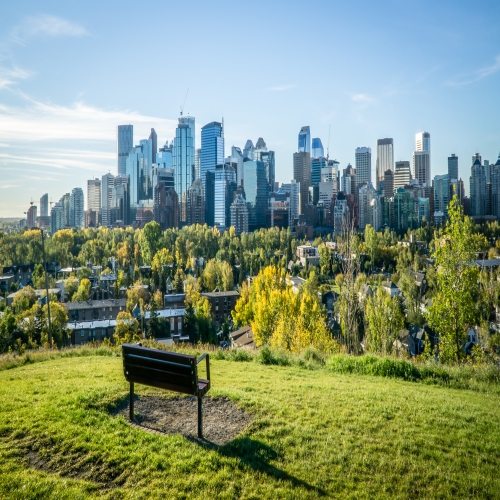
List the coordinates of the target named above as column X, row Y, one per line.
column 46, row 288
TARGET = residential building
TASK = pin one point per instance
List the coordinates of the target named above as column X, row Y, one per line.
column 210, row 198
column 340, row 214
column 212, row 149
column 385, row 158
column 120, row 200
column 77, row 209
column 224, row 188
column 441, row 190
column 107, row 184
column 95, row 310
column 222, row 303
column 183, row 157
column 163, row 174
column 477, row 188
column 195, row 204
column 256, row 192
column 166, row 207
column 59, row 215
column 423, row 141
column 363, row 165
column 124, row 145
column 44, row 205
column 349, row 180
column 94, row 195
column 302, row 175
column 308, row 255
column 402, row 174
column 328, row 184
column 495, row 189
column 239, row 214
column 197, row 164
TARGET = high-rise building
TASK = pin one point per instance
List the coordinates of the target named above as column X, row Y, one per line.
column 139, row 168
column 165, row 175
column 124, row 145
column 422, row 168
column 256, row 192
column 328, row 184
column 441, row 191
column 369, row 207
column 212, row 149
column 317, row 164
column 44, row 205
column 248, row 150
column 477, row 188
column 423, row 141
column 77, row 208
column 278, row 211
column 120, row 200
column 302, row 174
column 293, row 189
column 317, row 148
column 209, row 191
column 197, row 163
column 452, row 167
column 107, row 184
column 304, row 142
column 385, row 157
column 236, row 160
column 267, row 157
column 224, row 188
column 402, row 174
column 388, row 183
column 363, row 157
column 94, row 195
column 164, row 157
column 31, row 216
column 183, row 155
column 349, row 180
column 239, row 214
column 165, row 207
column 340, row 215
column 495, row 189
column 59, row 215
column 195, row 203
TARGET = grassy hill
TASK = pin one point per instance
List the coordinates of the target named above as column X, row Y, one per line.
column 313, row 434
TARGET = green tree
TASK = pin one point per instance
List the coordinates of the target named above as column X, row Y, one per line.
column 83, row 292
column 24, row 300
column 71, row 286
column 454, row 309
column 154, row 323
column 127, row 329
column 150, row 241
column 178, row 284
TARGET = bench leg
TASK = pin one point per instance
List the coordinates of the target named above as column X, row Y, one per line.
column 131, row 401
column 200, row 418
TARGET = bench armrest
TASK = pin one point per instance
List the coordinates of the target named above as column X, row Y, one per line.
column 206, row 357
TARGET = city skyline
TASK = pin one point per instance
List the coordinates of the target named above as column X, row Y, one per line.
column 61, row 103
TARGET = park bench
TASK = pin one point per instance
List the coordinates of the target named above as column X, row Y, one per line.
column 165, row 370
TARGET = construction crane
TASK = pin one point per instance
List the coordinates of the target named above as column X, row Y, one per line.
column 328, row 145
column 184, row 103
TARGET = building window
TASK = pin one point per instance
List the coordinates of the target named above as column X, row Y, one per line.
column 83, row 333
column 179, row 325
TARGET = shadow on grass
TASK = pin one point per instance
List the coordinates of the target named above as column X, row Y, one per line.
column 256, row 455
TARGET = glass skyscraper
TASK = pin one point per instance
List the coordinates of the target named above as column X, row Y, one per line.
column 304, row 144
column 139, row 168
column 317, row 148
column 124, row 143
column 385, row 158
column 224, row 188
column 183, row 155
column 452, row 167
column 212, row 149
column 363, row 165
column 256, row 193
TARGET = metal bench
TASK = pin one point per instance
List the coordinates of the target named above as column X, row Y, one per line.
column 165, row 370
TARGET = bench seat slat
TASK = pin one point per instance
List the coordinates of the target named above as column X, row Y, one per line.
column 169, row 365
column 157, row 354
column 143, row 371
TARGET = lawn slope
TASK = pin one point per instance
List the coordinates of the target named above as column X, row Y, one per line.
column 314, row 434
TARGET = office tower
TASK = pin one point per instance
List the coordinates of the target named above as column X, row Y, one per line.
column 304, row 143
column 388, row 183
column 278, row 209
column 317, row 165
column 441, row 190
column 209, row 190
column 165, row 175
column 349, row 181
column 124, row 144
column 328, row 184
column 139, row 168
column 256, row 193
column 363, row 157
column 248, row 150
column 369, row 207
column 261, row 153
column 166, row 207
column 423, row 141
column 94, row 195
column 402, row 174
column 164, row 157
column 405, row 216
column 107, row 184
column 317, row 148
column 495, row 189
column 340, row 215
column 212, row 149
column 452, row 167
column 183, row 155
column 302, row 174
column 197, row 167
column 91, row 218
column 422, row 168
column 477, row 188
column 76, row 209
column 239, row 214
column 423, row 210
column 385, row 158
column 224, row 188
column 293, row 189
column 120, row 200
column 236, row 160
column 195, row 203
column 31, row 216
column 60, row 214
column 44, row 205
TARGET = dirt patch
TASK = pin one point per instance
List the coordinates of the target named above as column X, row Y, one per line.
column 222, row 419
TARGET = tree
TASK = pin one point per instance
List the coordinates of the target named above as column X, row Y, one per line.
column 135, row 294
column 7, row 330
column 71, row 286
column 385, row 320
column 59, row 322
column 24, row 299
column 160, row 267
column 83, row 292
column 178, row 284
column 372, row 243
column 127, row 329
column 154, row 323
column 454, row 309
column 150, row 241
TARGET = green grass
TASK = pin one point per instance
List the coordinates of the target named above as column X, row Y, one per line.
column 315, row 433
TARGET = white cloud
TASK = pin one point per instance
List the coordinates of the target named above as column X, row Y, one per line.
column 477, row 75
column 281, row 88
column 10, row 76
column 44, row 24
column 8, row 186
column 362, row 98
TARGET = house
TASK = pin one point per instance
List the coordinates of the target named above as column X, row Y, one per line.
column 88, row 331
column 308, row 254
column 174, row 300
column 107, row 281
column 472, row 340
column 40, row 295
column 411, row 340
column 93, row 310
column 420, row 281
column 295, row 282
column 222, row 303
column 390, row 288
column 365, row 292
column 22, row 274
column 5, row 282
column 174, row 317
column 243, row 337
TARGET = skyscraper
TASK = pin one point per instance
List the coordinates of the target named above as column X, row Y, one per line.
column 402, row 174
column 107, row 184
column 317, row 164
column 195, row 203
column 164, row 157
column 423, row 141
column 388, row 183
column 59, row 215
column 422, row 168
column 302, row 174
column 248, row 150
column 385, row 157
column 477, row 188
column 363, row 157
column 304, row 142
column 166, row 207
column 317, row 148
column 349, row 181
column 452, row 167
column 183, row 155
column 31, row 216
column 212, row 149
column 239, row 214
column 197, row 160
column 256, row 192
column 76, row 209
column 94, row 194
column 139, row 168
column 236, row 159
column 441, row 193
column 261, row 153
column 44, row 205
column 124, row 144
column 224, row 188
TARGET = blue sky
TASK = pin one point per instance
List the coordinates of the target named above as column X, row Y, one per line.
column 70, row 72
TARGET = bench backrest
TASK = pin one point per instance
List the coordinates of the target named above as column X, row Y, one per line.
column 166, row 370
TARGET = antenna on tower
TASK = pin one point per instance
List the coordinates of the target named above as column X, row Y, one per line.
column 328, row 145
column 184, row 103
